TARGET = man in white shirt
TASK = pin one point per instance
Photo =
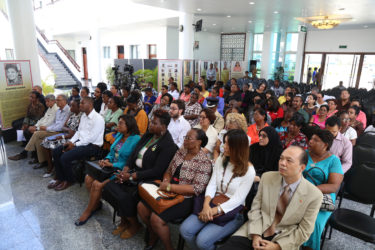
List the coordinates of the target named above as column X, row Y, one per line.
column 178, row 126
column 85, row 143
column 61, row 116
column 45, row 121
column 173, row 91
column 211, row 76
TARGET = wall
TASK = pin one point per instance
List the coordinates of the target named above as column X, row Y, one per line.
column 172, row 43
column 209, row 46
column 362, row 40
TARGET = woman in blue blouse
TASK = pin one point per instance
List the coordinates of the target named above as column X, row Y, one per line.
column 329, row 183
column 125, row 141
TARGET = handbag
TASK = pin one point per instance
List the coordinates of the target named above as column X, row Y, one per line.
column 158, row 200
column 327, row 202
column 98, row 173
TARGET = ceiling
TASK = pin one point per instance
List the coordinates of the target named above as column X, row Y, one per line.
column 267, row 15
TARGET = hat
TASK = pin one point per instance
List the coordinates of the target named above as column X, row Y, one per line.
column 212, row 102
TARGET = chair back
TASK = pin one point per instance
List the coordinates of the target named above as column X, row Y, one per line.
column 361, row 183
column 363, row 153
column 367, row 139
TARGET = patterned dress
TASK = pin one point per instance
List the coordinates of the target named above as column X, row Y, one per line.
column 72, row 124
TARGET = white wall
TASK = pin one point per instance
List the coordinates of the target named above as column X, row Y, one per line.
column 209, row 46
column 6, row 41
column 362, row 40
column 172, row 43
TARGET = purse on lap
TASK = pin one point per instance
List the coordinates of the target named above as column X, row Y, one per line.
column 157, row 199
column 94, row 170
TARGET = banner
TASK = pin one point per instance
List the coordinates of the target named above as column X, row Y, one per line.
column 238, row 69
column 188, row 71
column 167, row 69
column 15, row 86
column 225, row 71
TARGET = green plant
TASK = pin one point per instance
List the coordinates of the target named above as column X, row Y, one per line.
column 48, row 88
column 279, row 73
column 110, row 74
column 147, row 75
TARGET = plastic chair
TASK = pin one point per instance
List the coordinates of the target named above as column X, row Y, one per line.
column 360, row 187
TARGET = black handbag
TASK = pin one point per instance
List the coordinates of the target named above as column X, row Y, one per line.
column 327, row 202
column 98, row 173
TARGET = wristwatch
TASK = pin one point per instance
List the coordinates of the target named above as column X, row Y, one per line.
column 169, row 187
column 131, row 178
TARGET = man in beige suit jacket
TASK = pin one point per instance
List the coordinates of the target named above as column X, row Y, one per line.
column 298, row 221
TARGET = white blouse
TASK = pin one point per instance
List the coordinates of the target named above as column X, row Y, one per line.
column 211, row 134
column 238, row 188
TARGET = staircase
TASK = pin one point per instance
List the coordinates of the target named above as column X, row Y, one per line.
column 64, row 76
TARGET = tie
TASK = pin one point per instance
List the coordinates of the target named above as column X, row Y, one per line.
column 280, row 210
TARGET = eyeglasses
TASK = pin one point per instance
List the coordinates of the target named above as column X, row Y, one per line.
column 202, row 117
column 264, row 136
column 187, row 138
column 345, row 119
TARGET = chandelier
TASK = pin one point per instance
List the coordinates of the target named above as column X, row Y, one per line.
column 325, row 24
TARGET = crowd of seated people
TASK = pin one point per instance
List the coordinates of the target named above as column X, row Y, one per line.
column 267, row 147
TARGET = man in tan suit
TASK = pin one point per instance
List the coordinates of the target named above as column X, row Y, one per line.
column 284, row 209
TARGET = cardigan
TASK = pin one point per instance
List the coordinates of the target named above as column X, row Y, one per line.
column 155, row 160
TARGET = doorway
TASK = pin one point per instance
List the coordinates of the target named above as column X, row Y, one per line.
column 120, row 52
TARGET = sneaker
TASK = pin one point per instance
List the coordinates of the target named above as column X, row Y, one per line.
column 46, row 175
column 51, row 181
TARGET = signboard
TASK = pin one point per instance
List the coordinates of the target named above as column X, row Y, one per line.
column 15, row 86
column 167, row 69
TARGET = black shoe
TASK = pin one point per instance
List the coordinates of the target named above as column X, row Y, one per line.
column 17, row 157
column 41, row 165
column 81, row 223
column 33, row 161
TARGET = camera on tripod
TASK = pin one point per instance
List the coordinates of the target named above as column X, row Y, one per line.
column 124, row 77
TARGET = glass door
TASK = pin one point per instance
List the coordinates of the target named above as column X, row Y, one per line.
column 340, row 67
column 312, row 61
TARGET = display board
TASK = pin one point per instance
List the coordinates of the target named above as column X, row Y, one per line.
column 15, row 86
column 225, row 71
column 238, row 69
column 167, row 69
column 188, row 68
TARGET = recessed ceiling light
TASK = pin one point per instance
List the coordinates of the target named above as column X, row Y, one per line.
column 214, row 24
column 251, row 3
column 276, row 12
column 250, row 21
column 162, row 1
column 199, row 9
column 365, row 26
column 229, row 16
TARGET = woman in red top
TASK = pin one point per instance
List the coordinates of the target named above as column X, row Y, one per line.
column 260, row 118
column 273, row 108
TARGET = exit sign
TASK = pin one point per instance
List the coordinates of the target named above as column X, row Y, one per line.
column 303, row 28
column 343, row 46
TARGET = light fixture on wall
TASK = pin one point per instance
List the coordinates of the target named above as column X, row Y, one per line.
column 325, row 22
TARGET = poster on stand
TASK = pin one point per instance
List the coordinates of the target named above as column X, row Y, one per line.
column 15, row 86
column 196, row 69
column 238, row 69
column 205, row 65
column 167, row 69
column 225, row 71
column 188, row 72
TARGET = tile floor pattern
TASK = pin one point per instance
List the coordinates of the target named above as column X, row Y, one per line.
column 33, row 217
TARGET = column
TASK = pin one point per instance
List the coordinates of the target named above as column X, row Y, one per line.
column 299, row 56
column 186, row 37
column 21, row 19
column 266, row 55
column 94, row 57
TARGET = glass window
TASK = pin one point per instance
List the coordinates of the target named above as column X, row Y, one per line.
column 312, row 61
column 367, row 80
column 291, row 42
column 134, row 52
column 290, row 66
column 106, row 52
column 338, row 68
column 9, row 54
column 258, row 42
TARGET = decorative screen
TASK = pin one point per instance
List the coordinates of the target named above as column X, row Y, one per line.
column 233, row 47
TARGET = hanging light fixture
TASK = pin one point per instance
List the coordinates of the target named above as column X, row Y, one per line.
column 325, row 24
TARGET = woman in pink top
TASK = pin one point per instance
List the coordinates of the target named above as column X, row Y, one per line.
column 361, row 116
column 321, row 117
column 185, row 96
column 332, row 104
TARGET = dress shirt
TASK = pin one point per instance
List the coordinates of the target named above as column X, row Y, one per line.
column 90, row 130
column 211, row 74
column 49, row 117
column 61, row 116
column 278, row 91
column 343, row 149
column 178, row 129
column 175, row 94
column 211, row 134
column 238, row 188
column 103, row 109
column 220, row 104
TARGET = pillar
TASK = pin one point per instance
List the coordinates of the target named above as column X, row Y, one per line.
column 266, row 55
column 186, row 37
column 21, row 19
column 299, row 56
column 94, row 57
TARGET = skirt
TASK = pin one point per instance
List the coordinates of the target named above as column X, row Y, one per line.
column 122, row 197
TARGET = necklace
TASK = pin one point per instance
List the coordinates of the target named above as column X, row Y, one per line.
column 318, row 160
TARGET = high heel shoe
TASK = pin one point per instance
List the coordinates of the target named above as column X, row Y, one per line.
column 81, row 223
